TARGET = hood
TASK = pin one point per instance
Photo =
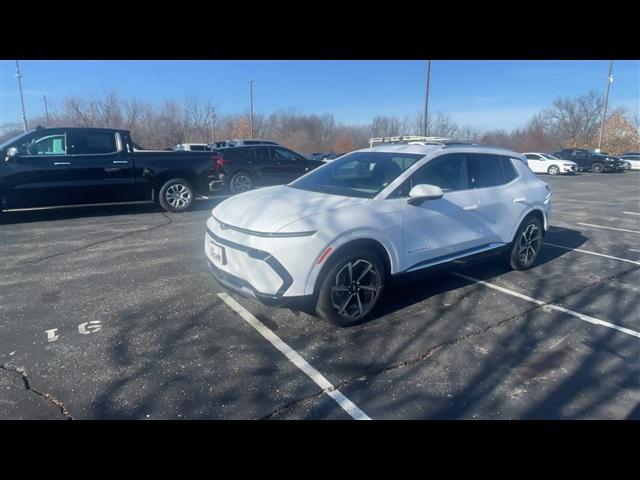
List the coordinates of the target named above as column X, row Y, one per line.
column 270, row 209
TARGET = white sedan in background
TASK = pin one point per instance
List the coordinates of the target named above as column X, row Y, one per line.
column 633, row 160
column 547, row 163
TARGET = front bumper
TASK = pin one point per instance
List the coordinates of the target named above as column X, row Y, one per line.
column 217, row 184
column 254, row 260
column 568, row 169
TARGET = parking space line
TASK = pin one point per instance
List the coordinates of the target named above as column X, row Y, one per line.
column 608, row 228
column 593, row 253
column 295, row 358
column 631, row 213
column 558, row 308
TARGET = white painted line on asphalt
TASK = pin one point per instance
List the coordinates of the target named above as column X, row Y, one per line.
column 608, row 228
column 295, row 358
column 593, row 253
column 631, row 213
column 633, row 250
column 558, row 308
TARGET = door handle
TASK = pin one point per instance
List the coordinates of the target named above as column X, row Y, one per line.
column 120, row 161
column 61, row 163
column 519, row 200
column 471, row 207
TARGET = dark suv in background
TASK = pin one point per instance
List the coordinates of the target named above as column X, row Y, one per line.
column 244, row 167
column 590, row 160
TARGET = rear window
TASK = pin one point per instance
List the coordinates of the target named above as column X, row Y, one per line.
column 235, row 153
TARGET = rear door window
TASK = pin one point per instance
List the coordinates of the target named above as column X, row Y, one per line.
column 92, row 143
column 508, row 170
column 485, row 170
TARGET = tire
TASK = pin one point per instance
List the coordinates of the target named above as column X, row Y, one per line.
column 524, row 251
column 553, row 170
column 597, row 168
column 240, row 182
column 341, row 307
column 176, row 195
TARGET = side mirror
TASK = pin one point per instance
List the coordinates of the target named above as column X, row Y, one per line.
column 422, row 192
column 11, row 152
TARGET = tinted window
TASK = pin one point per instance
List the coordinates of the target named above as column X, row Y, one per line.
column 261, row 154
column 282, row 154
column 485, row 170
column 532, row 157
column 508, row 170
column 91, row 143
column 199, row 147
column 358, row 174
column 449, row 172
column 45, row 145
column 235, row 153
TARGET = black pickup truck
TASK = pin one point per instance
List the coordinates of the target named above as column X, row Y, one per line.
column 590, row 160
column 72, row 166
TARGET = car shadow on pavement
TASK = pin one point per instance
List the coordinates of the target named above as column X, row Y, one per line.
column 409, row 289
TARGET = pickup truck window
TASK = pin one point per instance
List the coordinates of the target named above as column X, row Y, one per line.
column 92, row 143
column 48, row 145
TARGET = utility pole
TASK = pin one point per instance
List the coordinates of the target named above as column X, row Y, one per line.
column 46, row 110
column 426, row 100
column 24, row 115
column 213, row 131
column 606, row 101
column 251, row 105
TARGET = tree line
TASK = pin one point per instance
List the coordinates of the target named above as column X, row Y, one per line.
column 566, row 123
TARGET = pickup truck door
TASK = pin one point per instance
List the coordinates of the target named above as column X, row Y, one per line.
column 101, row 167
column 40, row 175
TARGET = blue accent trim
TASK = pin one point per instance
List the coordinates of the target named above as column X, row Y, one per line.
column 455, row 256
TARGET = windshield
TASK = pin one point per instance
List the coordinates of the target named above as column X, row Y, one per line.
column 358, row 174
column 14, row 139
column 548, row 156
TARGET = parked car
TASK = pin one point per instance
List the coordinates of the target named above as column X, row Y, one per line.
column 245, row 167
column 547, row 163
column 69, row 166
column 632, row 159
column 333, row 238
column 590, row 160
column 192, row 147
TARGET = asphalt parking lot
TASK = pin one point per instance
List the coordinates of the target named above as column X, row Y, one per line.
column 111, row 313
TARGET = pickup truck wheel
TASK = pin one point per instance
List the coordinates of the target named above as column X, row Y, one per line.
column 176, row 195
column 553, row 170
column 240, row 182
column 597, row 168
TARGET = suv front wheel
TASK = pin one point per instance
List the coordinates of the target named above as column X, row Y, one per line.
column 352, row 288
column 526, row 244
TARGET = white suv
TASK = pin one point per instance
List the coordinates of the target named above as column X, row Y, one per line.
column 335, row 236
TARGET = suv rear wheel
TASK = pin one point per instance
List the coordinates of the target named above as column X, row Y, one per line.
column 240, row 182
column 597, row 168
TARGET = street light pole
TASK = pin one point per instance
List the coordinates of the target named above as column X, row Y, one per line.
column 251, row 106
column 24, row 115
column 606, row 101
column 46, row 109
column 426, row 100
column 213, row 132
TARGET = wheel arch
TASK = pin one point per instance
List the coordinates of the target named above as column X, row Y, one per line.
column 383, row 248
column 534, row 212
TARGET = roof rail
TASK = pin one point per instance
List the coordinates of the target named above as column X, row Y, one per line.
column 407, row 139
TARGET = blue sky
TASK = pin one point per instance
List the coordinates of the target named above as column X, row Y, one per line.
column 482, row 94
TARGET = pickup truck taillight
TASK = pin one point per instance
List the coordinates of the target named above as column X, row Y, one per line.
column 218, row 160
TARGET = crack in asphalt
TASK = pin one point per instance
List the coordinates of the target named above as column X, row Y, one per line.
column 430, row 352
column 84, row 247
column 27, row 385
